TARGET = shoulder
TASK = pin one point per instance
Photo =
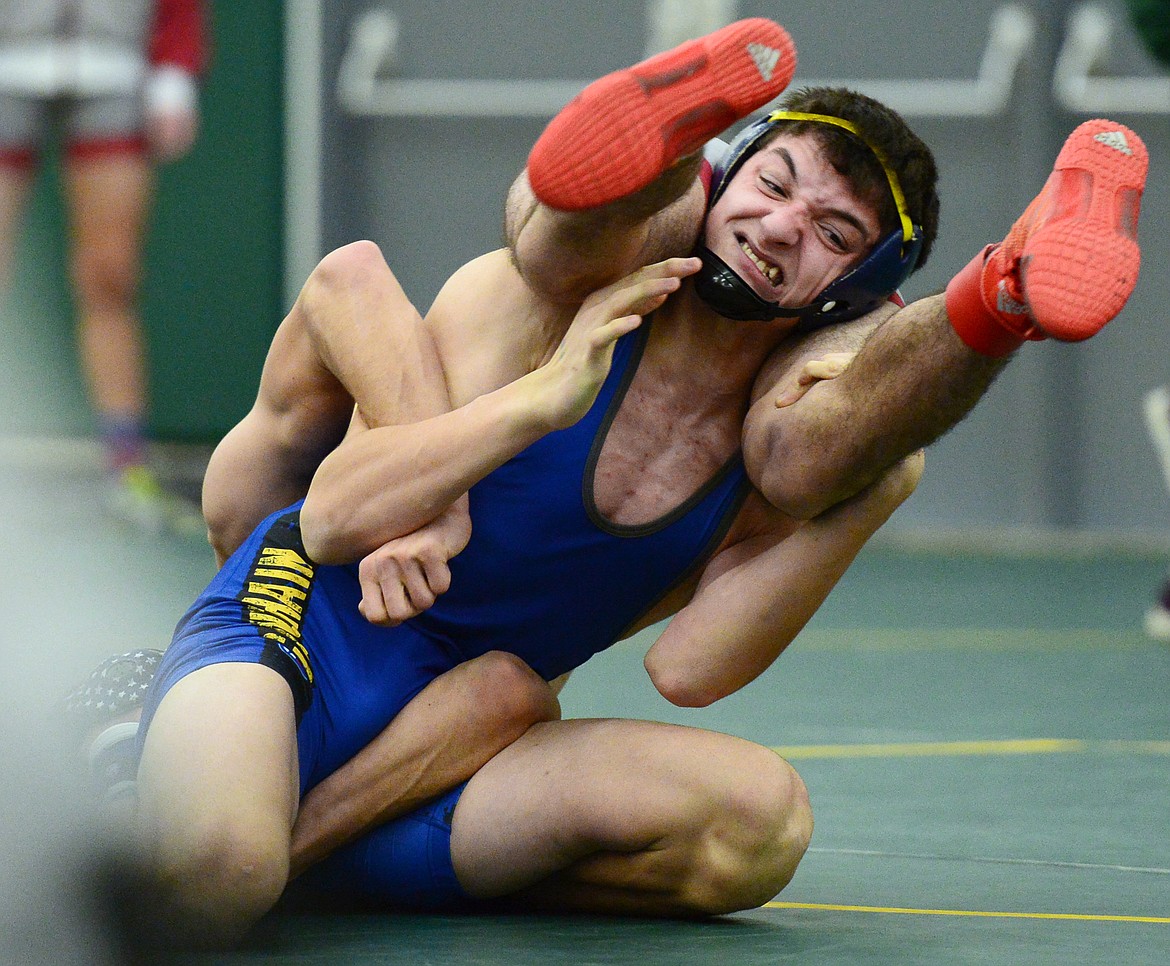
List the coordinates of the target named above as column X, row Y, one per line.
column 489, row 328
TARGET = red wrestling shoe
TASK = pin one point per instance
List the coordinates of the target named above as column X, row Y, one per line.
column 1070, row 262
column 624, row 130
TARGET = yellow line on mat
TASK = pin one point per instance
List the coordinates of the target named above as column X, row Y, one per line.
column 1013, row 746
column 965, row 912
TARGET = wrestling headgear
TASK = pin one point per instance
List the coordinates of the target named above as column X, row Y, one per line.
column 859, row 290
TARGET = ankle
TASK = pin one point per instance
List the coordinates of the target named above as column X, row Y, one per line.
column 985, row 310
column 124, row 440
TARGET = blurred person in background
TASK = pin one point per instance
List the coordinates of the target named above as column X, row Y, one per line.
column 116, row 84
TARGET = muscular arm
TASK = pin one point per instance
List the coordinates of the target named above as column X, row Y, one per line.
column 352, row 336
column 911, row 381
column 757, row 594
column 390, row 480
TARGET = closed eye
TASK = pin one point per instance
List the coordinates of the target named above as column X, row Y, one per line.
column 835, row 239
column 774, row 188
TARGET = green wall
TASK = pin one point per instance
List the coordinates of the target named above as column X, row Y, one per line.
column 214, row 281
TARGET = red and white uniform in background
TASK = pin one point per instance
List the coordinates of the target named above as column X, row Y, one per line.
column 63, row 48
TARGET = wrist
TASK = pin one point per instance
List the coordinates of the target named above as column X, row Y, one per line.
column 538, row 403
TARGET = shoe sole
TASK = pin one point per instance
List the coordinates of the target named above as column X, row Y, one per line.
column 1080, row 264
column 624, row 130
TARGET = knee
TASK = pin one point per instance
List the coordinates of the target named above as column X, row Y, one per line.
column 216, row 883
column 341, row 272
column 519, row 695
column 107, row 276
column 756, row 843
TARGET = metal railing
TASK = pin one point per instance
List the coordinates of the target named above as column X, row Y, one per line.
column 366, row 88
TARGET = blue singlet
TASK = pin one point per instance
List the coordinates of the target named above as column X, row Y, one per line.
column 544, row 576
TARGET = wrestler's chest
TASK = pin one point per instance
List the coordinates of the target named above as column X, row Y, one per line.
column 656, row 454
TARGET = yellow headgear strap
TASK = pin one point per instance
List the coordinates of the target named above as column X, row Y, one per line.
column 891, row 177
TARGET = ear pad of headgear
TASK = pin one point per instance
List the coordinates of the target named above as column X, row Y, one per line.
column 864, row 287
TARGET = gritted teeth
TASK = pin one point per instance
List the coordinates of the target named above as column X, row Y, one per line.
column 771, row 272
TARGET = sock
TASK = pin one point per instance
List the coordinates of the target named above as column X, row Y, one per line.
column 124, row 439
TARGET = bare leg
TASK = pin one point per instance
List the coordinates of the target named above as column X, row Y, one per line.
column 109, row 200
column 216, row 802
column 635, row 817
column 616, row 171
column 1065, row 269
column 912, row 381
column 455, row 724
column 217, row 793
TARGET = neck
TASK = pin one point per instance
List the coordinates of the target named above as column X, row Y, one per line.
column 688, row 330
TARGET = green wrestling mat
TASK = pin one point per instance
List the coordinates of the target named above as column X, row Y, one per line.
column 986, row 746
column 985, row 737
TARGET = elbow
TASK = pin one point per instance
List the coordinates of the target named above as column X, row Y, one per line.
column 353, row 268
column 325, row 533
column 340, row 272
column 680, row 688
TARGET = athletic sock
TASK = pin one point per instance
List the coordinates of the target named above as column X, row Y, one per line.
column 625, row 129
column 1070, row 262
column 124, row 440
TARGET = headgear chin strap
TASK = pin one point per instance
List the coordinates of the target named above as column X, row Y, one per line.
column 858, row 291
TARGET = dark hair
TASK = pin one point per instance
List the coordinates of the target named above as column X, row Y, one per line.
column 884, row 129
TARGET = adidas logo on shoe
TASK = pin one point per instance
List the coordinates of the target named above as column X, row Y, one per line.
column 766, row 59
column 1114, row 139
column 1005, row 303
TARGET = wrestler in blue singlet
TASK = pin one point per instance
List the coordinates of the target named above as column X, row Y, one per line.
column 544, row 576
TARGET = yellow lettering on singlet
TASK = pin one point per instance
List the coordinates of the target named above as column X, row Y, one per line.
column 275, row 598
column 287, row 560
column 285, row 574
column 289, row 597
column 264, row 613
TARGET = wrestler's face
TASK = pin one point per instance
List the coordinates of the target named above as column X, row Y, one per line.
column 788, row 223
